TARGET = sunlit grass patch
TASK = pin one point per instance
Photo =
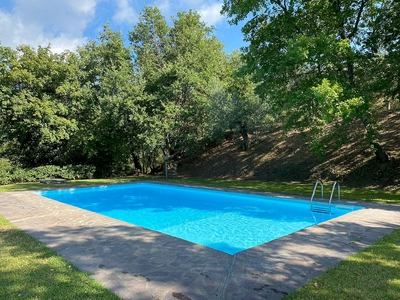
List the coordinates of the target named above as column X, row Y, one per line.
column 373, row 273
column 29, row 270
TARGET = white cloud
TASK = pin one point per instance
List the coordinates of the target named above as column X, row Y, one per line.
column 65, row 23
column 209, row 11
column 41, row 22
column 125, row 12
column 210, row 14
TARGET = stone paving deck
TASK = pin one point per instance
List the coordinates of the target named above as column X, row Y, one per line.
column 136, row 263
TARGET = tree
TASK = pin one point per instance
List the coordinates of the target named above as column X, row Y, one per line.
column 385, row 40
column 235, row 106
column 196, row 60
column 311, row 59
column 149, row 40
column 177, row 64
column 111, row 118
column 34, row 117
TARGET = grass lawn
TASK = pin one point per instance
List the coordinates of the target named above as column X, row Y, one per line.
column 373, row 273
column 302, row 189
column 29, row 270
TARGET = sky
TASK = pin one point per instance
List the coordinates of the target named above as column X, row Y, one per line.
column 66, row 24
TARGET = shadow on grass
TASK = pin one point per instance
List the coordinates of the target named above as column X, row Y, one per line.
column 29, row 270
column 370, row 274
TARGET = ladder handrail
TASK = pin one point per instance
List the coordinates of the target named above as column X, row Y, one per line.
column 315, row 188
column 322, row 191
column 333, row 191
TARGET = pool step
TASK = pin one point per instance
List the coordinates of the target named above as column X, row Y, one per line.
column 321, row 209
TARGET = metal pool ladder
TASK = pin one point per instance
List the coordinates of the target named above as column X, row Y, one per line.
column 323, row 207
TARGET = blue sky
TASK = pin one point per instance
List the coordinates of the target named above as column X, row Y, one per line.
column 66, row 24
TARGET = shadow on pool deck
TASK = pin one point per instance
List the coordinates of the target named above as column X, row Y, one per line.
column 136, row 263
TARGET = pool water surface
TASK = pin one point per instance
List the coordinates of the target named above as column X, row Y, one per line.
column 225, row 221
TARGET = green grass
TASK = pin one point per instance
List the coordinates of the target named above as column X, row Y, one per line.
column 302, row 189
column 29, row 270
column 373, row 273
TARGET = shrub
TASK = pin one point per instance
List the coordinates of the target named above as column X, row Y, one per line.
column 19, row 175
column 5, row 177
column 5, row 165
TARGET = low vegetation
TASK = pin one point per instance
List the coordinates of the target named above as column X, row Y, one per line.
column 10, row 174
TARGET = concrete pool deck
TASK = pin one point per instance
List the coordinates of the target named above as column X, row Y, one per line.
column 136, row 263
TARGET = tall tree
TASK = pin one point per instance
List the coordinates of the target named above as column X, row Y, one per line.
column 235, row 106
column 177, row 63
column 310, row 58
column 385, row 40
column 149, row 40
column 196, row 59
column 35, row 117
column 111, row 116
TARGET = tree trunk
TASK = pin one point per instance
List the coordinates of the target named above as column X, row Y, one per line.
column 245, row 136
column 380, row 154
column 136, row 162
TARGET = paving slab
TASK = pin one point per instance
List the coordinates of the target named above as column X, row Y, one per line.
column 139, row 264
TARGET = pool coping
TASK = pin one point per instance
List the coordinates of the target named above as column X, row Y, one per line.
column 137, row 263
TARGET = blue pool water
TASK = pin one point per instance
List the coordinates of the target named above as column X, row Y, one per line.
column 225, row 221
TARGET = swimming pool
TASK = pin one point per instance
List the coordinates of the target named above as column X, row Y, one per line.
column 225, row 221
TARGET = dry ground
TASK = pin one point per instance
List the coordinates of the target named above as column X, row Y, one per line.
column 275, row 157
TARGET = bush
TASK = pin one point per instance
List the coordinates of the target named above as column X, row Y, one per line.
column 82, row 171
column 5, row 177
column 5, row 171
column 19, row 175
column 5, row 165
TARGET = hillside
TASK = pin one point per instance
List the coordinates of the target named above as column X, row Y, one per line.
column 275, row 157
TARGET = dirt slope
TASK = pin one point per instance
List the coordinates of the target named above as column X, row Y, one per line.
column 273, row 157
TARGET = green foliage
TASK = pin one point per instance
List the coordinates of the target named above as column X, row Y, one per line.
column 320, row 62
column 18, row 175
column 384, row 40
column 234, row 102
column 35, row 119
column 112, row 114
column 179, row 65
column 120, row 108
column 5, row 165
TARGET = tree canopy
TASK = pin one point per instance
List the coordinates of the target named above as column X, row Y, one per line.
column 322, row 62
column 120, row 104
